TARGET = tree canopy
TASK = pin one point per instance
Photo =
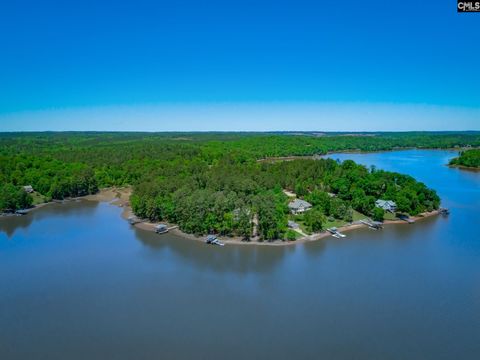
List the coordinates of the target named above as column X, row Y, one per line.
column 218, row 183
column 468, row 158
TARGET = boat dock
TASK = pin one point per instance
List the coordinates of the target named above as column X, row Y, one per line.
column 375, row 225
column 132, row 220
column 213, row 240
column 335, row 233
column 162, row 228
column 406, row 218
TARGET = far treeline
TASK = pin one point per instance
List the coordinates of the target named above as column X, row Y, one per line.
column 468, row 158
column 213, row 182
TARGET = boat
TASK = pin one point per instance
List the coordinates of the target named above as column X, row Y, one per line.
column 213, row 240
column 161, row 229
column 21, row 212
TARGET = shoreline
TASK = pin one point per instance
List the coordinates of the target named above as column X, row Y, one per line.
column 353, row 151
column 463, row 167
column 120, row 197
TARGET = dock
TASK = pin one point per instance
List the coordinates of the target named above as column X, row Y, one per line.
column 374, row 225
column 213, row 240
column 162, row 228
column 406, row 218
column 132, row 220
column 335, row 233
column 444, row 211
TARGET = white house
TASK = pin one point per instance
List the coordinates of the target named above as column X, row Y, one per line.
column 299, row 206
column 386, row 205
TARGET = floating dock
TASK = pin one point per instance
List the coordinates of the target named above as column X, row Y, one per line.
column 375, row 225
column 335, row 233
column 213, row 240
column 162, row 228
column 132, row 220
column 444, row 211
column 406, row 218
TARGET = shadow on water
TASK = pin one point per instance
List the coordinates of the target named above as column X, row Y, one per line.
column 9, row 225
column 230, row 258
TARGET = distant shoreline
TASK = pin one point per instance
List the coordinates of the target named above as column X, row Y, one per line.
column 463, row 167
column 356, row 151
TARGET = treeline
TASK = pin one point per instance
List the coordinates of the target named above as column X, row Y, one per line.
column 231, row 197
column 308, row 145
column 13, row 198
column 467, row 158
column 50, row 177
column 213, row 182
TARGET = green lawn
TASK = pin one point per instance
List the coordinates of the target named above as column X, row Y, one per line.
column 37, row 198
column 389, row 216
column 358, row 216
column 335, row 223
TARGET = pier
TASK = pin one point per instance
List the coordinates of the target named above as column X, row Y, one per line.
column 374, row 225
column 335, row 233
column 406, row 218
column 162, row 228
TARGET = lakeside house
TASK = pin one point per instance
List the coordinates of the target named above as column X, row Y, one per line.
column 28, row 189
column 299, row 206
column 386, row 205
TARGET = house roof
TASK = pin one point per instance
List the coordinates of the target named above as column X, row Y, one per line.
column 299, row 203
column 384, row 203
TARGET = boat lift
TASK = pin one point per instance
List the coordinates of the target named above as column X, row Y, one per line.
column 335, row 233
column 213, row 240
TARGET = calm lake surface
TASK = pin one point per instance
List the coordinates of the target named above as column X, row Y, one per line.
column 77, row 282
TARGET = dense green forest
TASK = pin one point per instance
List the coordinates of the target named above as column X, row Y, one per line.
column 214, row 182
column 468, row 158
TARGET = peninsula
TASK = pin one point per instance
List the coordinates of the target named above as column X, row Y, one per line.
column 468, row 159
column 213, row 183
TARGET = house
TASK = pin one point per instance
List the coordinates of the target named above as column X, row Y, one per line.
column 293, row 224
column 299, row 206
column 386, row 205
column 28, row 188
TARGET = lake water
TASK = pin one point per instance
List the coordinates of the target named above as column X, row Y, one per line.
column 77, row 282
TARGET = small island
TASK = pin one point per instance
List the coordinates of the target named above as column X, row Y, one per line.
column 469, row 159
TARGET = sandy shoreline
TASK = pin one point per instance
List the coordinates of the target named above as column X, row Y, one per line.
column 121, row 197
column 463, row 167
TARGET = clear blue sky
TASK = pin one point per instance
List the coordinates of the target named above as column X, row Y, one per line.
column 132, row 54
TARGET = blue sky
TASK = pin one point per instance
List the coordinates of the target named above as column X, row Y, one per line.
column 250, row 61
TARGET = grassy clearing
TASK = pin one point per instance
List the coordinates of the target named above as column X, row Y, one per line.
column 37, row 198
column 328, row 224
column 389, row 216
